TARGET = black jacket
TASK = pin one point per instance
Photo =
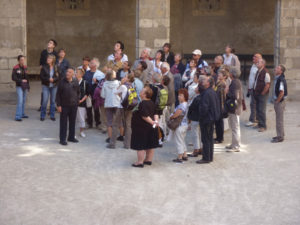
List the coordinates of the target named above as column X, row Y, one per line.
column 209, row 107
column 18, row 74
column 68, row 93
column 277, row 85
column 44, row 55
column 193, row 113
column 45, row 75
column 83, row 92
column 169, row 59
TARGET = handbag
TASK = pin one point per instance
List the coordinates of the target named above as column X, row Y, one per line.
column 89, row 102
column 173, row 124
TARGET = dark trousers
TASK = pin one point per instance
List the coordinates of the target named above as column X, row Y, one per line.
column 261, row 104
column 89, row 113
column 67, row 113
column 219, row 124
column 207, row 131
column 252, row 117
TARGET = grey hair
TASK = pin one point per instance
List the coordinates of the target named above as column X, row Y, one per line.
column 263, row 61
column 165, row 65
column 97, row 61
column 148, row 50
column 234, row 72
column 202, row 78
column 156, row 77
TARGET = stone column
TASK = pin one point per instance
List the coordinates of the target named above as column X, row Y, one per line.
column 290, row 44
column 12, row 37
column 153, row 26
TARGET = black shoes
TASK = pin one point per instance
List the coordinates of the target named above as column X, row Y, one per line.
column 148, row 163
column 53, row 119
column 138, row 165
column 277, row 139
column 120, row 138
column 19, row 120
column 42, row 119
column 107, row 140
column 63, row 143
column 177, row 160
column 202, row 161
column 25, row 117
column 73, row 140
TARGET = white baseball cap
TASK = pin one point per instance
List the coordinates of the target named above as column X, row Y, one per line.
column 197, row 52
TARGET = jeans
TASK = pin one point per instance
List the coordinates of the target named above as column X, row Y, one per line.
column 46, row 92
column 261, row 104
column 22, row 94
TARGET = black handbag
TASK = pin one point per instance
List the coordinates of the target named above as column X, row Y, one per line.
column 173, row 124
column 230, row 105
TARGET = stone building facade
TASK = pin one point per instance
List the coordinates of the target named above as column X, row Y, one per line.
column 271, row 28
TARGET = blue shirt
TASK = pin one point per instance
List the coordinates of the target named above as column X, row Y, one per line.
column 51, row 76
column 138, row 84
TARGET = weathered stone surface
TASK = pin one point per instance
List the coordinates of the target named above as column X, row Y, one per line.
column 3, row 64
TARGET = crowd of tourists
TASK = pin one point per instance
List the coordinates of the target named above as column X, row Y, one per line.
column 152, row 100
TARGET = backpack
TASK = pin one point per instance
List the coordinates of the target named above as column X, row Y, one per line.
column 131, row 99
column 161, row 98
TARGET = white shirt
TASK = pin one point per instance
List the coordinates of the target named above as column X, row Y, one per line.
column 112, row 58
column 156, row 69
column 123, row 91
column 192, row 93
column 252, row 75
column 227, row 59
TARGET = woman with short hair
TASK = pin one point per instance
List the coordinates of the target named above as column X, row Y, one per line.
column 144, row 137
column 180, row 132
column 62, row 63
column 157, row 62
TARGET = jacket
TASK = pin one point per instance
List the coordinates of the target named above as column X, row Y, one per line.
column 83, row 92
column 44, row 55
column 193, row 113
column 62, row 68
column 235, row 92
column 169, row 59
column 277, row 85
column 209, row 107
column 260, row 81
column 18, row 74
column 45, row 75
column 68, row 93
column 108, row 92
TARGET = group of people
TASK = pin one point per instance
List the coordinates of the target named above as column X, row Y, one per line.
column 153, row 100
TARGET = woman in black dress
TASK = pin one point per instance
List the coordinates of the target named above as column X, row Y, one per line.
column 144, row 124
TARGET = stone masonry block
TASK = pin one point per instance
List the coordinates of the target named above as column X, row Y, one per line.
column 3, row 63
column 145, row 23
column 292, row 53
column 158, row 43
column 293, row 74
column 5, row 76
column 9, row 53
column 12, row 62
column 287, row 22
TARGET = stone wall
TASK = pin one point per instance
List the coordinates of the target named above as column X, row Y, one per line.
column 12, row 36
column 153, row 24
column 210, row 25
column 290, row 44
column 89, row 28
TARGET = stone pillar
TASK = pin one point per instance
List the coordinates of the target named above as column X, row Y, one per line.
column 12, row 36
column 290, row 44
column 153, row 27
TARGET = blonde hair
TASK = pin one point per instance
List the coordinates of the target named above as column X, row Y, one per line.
column 53, row 59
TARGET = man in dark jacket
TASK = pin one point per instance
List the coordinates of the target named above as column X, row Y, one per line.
column 19, row 75
column 67, row 99
column 279, row 95
column 209, row 112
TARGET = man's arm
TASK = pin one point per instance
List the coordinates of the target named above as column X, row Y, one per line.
column 266, row 88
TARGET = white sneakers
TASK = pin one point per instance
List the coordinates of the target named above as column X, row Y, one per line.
column 82, row 134
column 250, row 124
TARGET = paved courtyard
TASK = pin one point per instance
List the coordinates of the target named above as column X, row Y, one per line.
column 43, row 183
